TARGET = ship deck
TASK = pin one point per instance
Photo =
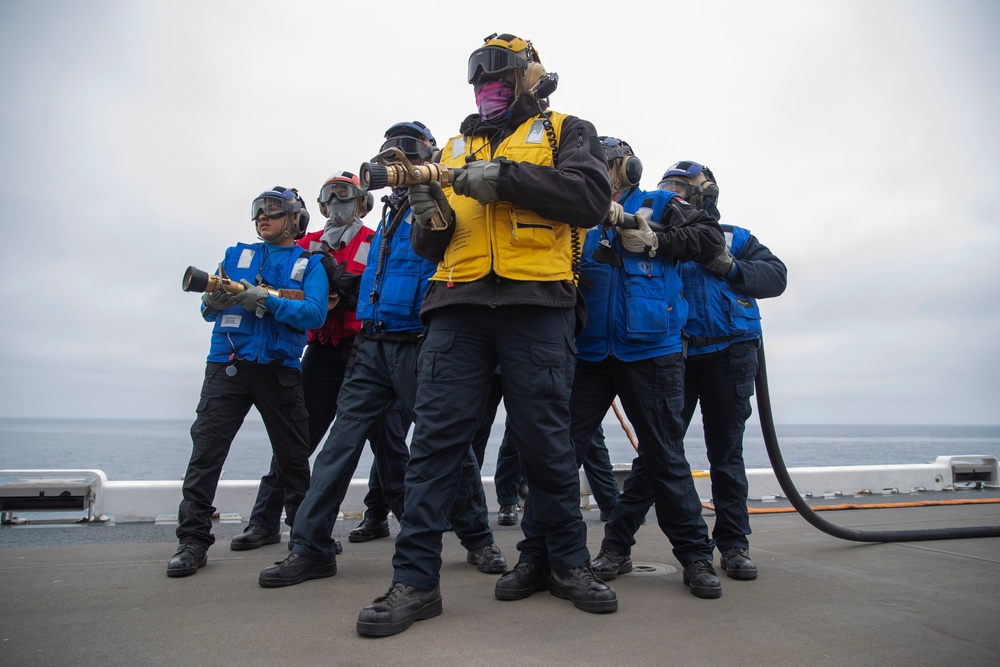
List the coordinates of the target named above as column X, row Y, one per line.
column 97, row 594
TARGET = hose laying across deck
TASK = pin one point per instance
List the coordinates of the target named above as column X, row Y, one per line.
column 785, row 481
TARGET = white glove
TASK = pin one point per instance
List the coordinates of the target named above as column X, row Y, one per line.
column 641, row 240
column 616, row 214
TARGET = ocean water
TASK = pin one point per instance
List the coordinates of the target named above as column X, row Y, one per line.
column 130, row 449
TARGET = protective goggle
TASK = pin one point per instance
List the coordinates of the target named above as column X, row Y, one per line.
column 615, row 148
column 493, row 60
column 683, row 188
column 272, row 207
column 412, row 147
column 342, row 190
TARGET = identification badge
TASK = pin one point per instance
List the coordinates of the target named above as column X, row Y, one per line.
column 231, row 320
column 536, row 133
column 299, row 268
column 457, row 147
column 246, row 259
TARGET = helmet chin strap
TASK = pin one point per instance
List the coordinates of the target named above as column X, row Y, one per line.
column 290, row 223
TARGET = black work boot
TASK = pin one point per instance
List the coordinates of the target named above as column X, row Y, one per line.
column 294, row 570
column 737, row 564
column 521, row 582
column 609, row 564
column 582, row 587
column 488, row 559
column 254, row 537
column 507, row 516
column 369, row 529
column 703, row 580
column 395, row 611
column 187, row 560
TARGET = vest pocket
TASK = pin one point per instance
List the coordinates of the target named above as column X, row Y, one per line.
column 647, row 311
column 744, row 314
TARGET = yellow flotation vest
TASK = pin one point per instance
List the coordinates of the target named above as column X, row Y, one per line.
column 514, row 242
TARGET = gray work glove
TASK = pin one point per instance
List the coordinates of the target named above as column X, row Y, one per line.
column 220, row 299
column 428, row 201
column 249, row 296
column 479, row 181
column 641, row 240
column 722, row 265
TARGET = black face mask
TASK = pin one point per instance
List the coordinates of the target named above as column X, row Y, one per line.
column 397, row 198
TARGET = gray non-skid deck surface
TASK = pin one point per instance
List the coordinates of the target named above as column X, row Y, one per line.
column 98, row 595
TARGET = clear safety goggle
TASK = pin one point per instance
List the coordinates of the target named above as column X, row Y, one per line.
column 492, row 60
column 272, row 207
column 683, row 188
column 412, row 147
column 340, row 189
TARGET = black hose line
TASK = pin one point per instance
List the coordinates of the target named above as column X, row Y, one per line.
column 781, row 472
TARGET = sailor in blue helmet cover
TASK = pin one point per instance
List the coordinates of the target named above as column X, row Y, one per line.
column 504, row 293
column 257, row 339
column 380, row 377
column 631, row 348
column 722, row 333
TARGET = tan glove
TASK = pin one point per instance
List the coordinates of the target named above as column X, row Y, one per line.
column 641, row 240
column 616, row 214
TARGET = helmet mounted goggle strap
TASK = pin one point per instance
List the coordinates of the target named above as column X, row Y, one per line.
column 414, row 139
column 345, row 186
column 615, row 148
column 626, row 168
column 689, row 179
column 275, row 204
column 499, row 55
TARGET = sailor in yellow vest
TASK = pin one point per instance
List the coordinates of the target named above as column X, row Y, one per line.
column 504, row 292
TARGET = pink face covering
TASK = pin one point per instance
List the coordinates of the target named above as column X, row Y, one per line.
column 493, row 99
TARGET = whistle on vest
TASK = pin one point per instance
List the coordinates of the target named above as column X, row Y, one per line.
column 196, row 280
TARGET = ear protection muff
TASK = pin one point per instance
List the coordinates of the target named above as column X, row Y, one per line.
column 538, row 83
column 368, row 205
column 630, row 170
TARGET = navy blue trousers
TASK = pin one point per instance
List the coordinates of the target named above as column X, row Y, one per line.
column 463, row 345
column 600, row 472
column 383, row 374
column 323, row 369
column 723, row 382
column 276, row 392
column 652, row 396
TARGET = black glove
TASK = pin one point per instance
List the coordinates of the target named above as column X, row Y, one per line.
column 428, row 200
column 721, row 265
column 342, row 282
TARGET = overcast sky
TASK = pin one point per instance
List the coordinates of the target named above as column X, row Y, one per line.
column 857, row 139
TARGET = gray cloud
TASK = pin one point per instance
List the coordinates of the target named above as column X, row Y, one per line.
column 857, row 140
